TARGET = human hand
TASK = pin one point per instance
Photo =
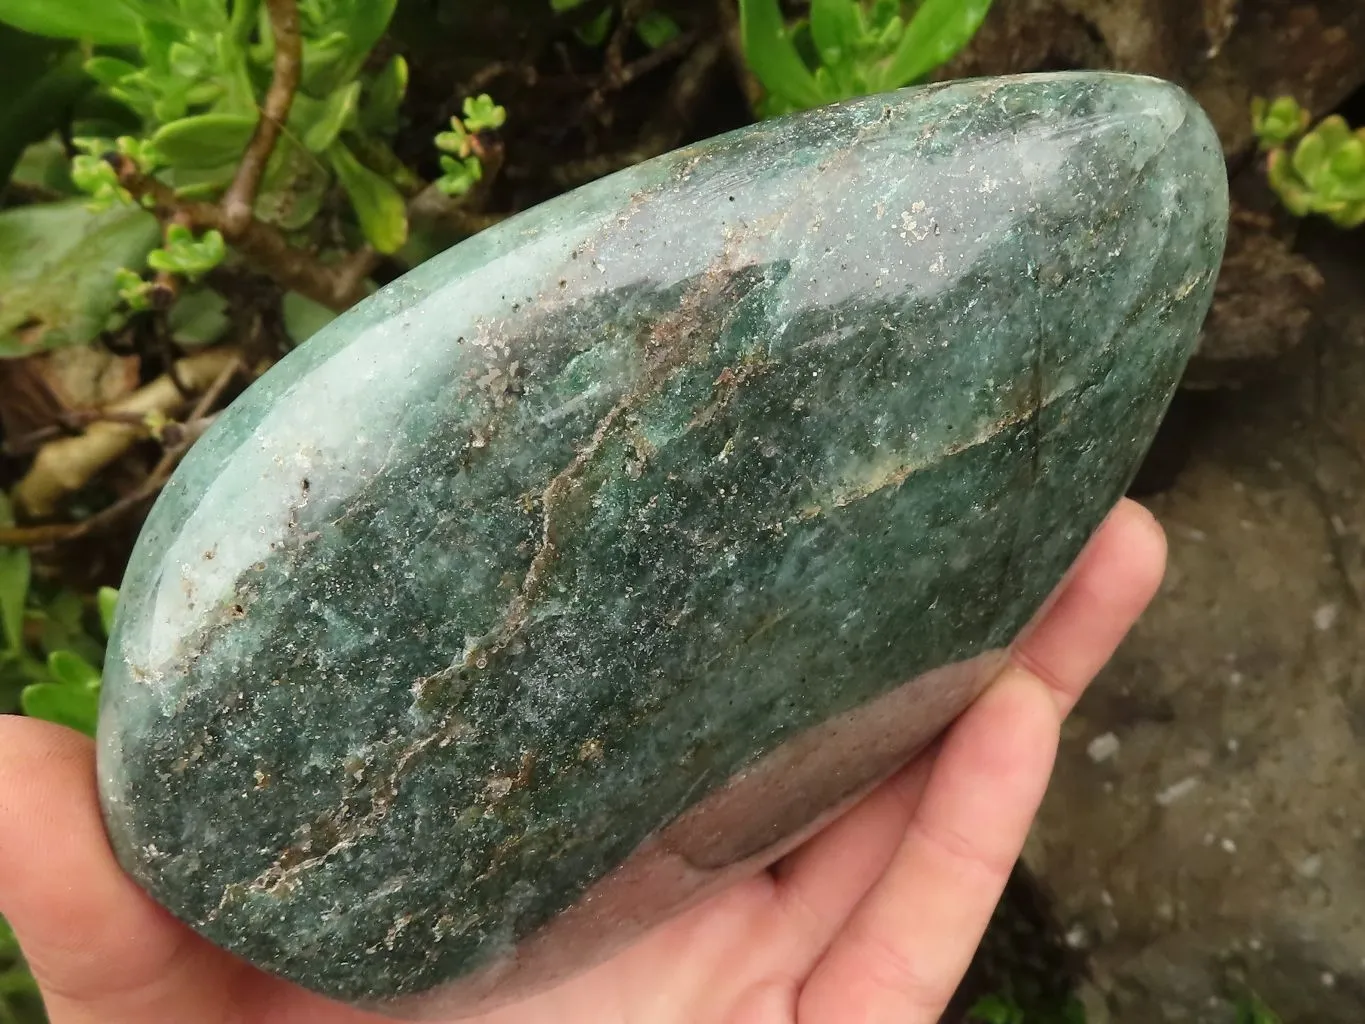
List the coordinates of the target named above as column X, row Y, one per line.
column 873, row 921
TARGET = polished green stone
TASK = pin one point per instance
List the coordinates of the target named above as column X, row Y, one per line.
column 607, row 551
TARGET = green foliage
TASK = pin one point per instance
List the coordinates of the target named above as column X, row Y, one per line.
column 199, row 317
column 91, row 21
column 1252, row 1011
column 654, row 28
column 47, row 652
column 1279, row 122
column 850, row 48
column 994, row 1009
column 481, row 114
column 460, row 148
column 1004, row 1009
column 192, row 76
column 59, row 266
column 1313, row 171
column 93, row 171
column 303, row 317
column 133, row 290
column 42, row 81
column 380, row 206
column 186, row 255
column 19, row 998
column 657, row 29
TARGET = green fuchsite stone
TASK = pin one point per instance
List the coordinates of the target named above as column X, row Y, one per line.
column 598, row 560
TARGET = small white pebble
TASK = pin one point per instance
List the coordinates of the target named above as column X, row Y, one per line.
column 1102, row 748
column 1329, row 979
column 1228, row 846
column 1325, row 617
column 1311, row 866
column 1234, row 744
column 1254, row 945
column 1177, row 791
column 1076, row 937
column 1235, row 678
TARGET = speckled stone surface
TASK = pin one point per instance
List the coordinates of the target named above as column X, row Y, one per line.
column 606, row 551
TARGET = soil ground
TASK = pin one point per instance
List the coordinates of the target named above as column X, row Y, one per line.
column 1204, row 834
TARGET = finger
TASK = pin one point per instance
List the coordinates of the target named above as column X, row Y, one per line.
column 908, row 943
column 1115, row 578
column 100, row 949
column 818, row 885
column 1112, row 581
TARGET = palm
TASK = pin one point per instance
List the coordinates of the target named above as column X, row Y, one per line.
column 875, row 919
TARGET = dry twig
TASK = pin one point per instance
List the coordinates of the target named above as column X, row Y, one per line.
column 64, row 466
column 240, row 199
column 666, row 129
column 293, row 269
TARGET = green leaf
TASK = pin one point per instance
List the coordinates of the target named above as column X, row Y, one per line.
column 199, row 317
column 1351, row 215
column 594, row 32
column 109, row 70
column 836, row 26
column 481, row 114
column 560, row 6
column 994, row 1009
column 366, row 23
column 204, row 142
column 350, row 34
column 385, row 98
column 1252, row 1010
column 303, row 317
column 108, row 22
column 14, row 579
column 460, row 175
column 379, row 206
column 772, row 56
column 939, row 29
column 9, row 945
column 73, row 706
column 657, row 29
column 70, row 669
column 15, row 571
column 107, row 601
column 1277, row 122
column 63, row 627
column 296, row 182
column 319, row 123
column 187, row 255
column 58, row 266
column 325, row 61
column 193, row 183
column 1310, row 156
column 40, row 107
column 44, row 165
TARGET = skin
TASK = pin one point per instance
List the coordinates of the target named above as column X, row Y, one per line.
column 873, row 921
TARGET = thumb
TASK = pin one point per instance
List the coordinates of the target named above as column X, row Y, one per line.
column 100, row 949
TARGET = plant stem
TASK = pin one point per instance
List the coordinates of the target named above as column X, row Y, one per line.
column 293, row 269
column 240, row 198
